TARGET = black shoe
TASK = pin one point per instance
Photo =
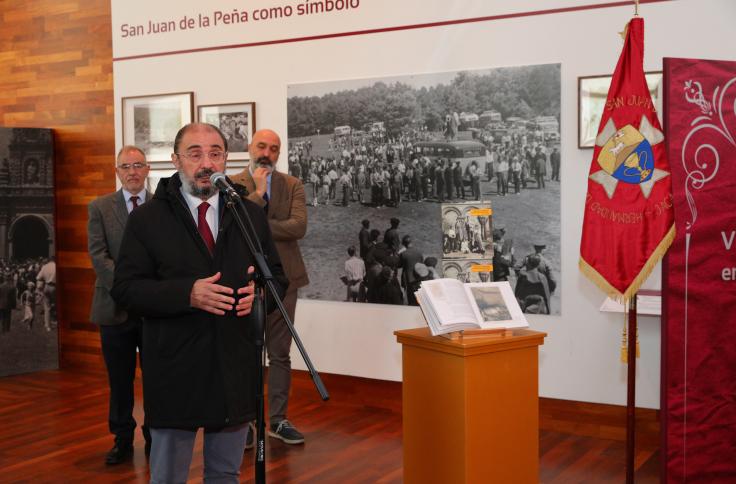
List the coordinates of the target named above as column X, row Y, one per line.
column 250, row 436
column 285, row 431
column 119, row 453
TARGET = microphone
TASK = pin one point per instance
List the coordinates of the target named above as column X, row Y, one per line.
column 220, row 181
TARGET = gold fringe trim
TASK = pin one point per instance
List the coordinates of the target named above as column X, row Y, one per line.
column 635, row 285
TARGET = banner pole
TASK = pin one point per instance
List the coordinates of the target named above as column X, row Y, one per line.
column 631, row 393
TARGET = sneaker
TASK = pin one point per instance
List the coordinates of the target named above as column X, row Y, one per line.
column 250, row 436
column 285, row 431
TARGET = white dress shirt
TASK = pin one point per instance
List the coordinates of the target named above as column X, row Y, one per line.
column 141, row 198
column 194, row 202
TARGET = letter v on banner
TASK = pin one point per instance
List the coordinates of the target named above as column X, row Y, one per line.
column 629, row 221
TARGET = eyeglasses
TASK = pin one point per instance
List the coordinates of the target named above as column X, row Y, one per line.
column 128, row 166
column 197, row 156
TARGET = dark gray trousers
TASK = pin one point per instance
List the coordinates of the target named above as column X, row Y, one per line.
column 278, row 346
column 171, row 454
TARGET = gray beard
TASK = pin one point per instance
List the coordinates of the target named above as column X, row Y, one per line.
column 255, row 164
column 270, row 168
column 190, row 187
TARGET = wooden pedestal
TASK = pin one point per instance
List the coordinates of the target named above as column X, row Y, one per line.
column 470, row 407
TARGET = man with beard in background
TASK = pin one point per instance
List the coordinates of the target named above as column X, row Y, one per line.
column 282, row 198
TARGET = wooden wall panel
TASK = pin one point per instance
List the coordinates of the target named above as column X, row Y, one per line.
column 56, row 72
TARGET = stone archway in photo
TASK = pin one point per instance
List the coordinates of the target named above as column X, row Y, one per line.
column 30, row 237
column 454, row 271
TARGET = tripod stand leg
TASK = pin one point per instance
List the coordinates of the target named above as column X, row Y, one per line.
column 259, row 317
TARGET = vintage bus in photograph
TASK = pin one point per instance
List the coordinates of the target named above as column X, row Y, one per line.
column 465, row 152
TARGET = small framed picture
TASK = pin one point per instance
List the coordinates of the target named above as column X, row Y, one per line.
column 592, row 94
column 467, row 230
column 237, row 121
column 151, row 122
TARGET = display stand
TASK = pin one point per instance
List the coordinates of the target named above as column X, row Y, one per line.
column 478, row 333
column 470, row 407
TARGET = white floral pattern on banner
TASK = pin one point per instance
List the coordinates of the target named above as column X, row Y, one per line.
column 705, row 158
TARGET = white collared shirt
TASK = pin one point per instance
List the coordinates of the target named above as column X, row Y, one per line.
column 141, row 198
column 212, row 219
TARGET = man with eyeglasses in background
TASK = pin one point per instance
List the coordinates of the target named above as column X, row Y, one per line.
column 184, row 266
column 120, row 332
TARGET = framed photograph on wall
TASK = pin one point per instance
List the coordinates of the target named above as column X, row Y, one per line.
column 151, row 122
column 592, row 94
column 237, row 121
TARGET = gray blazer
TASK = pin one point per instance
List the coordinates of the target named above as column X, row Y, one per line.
column 107, row 217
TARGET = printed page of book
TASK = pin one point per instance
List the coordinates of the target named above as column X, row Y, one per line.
column 495, row 305
column 433, row 320
column 429, row 315
column 449, row 301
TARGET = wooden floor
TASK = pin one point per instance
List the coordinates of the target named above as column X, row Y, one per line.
column 53, row 428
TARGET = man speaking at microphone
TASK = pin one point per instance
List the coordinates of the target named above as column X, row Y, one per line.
column 282, row 198
column 183, row 266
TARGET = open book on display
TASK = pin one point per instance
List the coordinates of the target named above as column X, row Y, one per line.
column 449, row 305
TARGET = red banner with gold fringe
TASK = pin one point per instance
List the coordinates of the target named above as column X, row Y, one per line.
column 629, row 223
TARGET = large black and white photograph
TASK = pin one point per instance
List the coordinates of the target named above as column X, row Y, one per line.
column 236, row 121
column 28, row 324
column 399, row 147
column 151, row 122
column 466, row 230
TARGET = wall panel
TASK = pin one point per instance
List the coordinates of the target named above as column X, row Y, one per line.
column 56, row 72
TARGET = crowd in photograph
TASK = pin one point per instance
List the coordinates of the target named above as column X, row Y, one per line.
column 27, row 294
column 379, row 171
column 532, row 276
column 518, row 166
column 386, row 269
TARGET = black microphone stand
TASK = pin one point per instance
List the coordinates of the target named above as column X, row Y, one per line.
column 264, row 286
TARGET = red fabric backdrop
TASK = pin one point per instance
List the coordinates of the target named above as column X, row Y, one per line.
column 699, row 320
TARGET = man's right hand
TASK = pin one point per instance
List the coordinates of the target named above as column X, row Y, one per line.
column 211, row 297
column 260, row 179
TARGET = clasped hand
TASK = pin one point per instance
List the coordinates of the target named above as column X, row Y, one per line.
column 260, row 179
column 209, row 296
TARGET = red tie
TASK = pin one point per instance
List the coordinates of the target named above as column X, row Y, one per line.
column 134, row 200
column 204, row 227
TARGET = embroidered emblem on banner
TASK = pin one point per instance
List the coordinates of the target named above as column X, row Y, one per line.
column 626, row 156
